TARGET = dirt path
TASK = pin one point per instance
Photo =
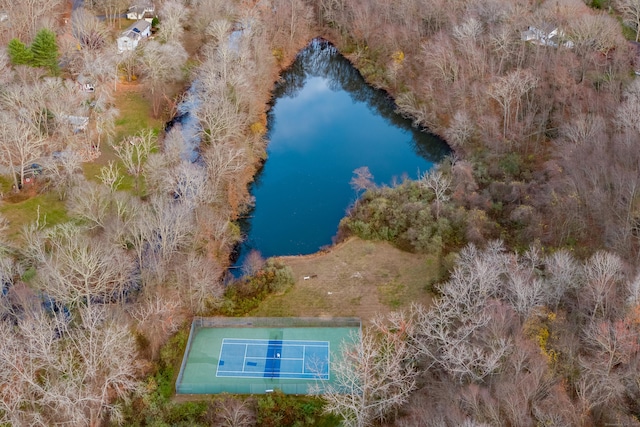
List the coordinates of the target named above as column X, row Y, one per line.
column 355, row 278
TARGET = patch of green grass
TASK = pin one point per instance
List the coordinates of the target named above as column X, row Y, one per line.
column 628, row 32
column 92, row 172
column 5, row 184
column 392, row 294
column 45, row 207
column 135, row 114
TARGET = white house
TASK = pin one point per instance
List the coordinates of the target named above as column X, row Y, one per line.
column 140, row 11
column 546, row 35
column 130, row 37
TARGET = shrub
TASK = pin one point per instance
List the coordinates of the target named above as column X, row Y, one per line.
column 277, row 409
column 403, row 215
column 246, row 293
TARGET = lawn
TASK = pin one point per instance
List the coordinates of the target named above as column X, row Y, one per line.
column 46, row 207
column 135, row 115
column 356, row 278
column 135, row 111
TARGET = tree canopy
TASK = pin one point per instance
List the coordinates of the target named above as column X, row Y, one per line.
column 43, row 51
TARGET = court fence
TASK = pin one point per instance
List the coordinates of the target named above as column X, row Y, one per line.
column 275, row 322
column 255, row 322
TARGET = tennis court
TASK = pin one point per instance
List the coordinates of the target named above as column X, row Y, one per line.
column 253, row 358
column 259, row 355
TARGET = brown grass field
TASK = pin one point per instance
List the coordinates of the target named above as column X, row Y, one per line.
column 354, row 278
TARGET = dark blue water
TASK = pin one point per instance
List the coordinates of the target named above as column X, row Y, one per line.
column 324, row 123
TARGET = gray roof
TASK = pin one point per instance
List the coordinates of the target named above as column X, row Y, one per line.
column 134, row 31
column 137, row 27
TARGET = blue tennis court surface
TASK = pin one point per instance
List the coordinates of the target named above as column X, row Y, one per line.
column 259, row 358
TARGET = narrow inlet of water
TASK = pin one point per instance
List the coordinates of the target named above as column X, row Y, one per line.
column 324, row 123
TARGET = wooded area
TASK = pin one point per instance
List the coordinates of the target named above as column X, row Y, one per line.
column 533, row 219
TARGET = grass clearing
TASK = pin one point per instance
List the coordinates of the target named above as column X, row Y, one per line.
column 135, row 115
column 135, row 111
column 355, row 278
column 46, row 207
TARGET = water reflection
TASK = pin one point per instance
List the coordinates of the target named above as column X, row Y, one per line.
column 325, row 121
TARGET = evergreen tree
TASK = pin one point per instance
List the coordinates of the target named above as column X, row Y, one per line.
column 45, row 50
column 19, row 53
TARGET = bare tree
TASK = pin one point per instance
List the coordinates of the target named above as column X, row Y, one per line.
column 461, row 129
column 440, row 57
column 20, row 147
column 584, row 129
column 113, row 8
column 564, row 275
column 133, row 151
column 157, row 317
column 28, row 16
column 234, row 412
column 628, row 110
column 163, row 228
column 105, row 123
column 362, row 179
column 591, row 34
column 6, row 73
column 440, row 184
column 90, row 32
column 188, row 183
column 630, row 10
column 110, row 176
column 91, row 202
column 454, row 334
column 161, row 63
column 74, row 369
column 95, row 368
column 374, row 375
column 604, row 276
column 253, row 263
column 223, row 162
column 203, row 279
column 78, row 270
column 508, row 92
column 62, row 172
column 226, row 89
column 129, row 63
column 292, row 20
column 173, row 15
column 26, row 352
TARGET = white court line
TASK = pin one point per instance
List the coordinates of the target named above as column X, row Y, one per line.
column 291, row 343
column 328, row 360
column 262, row 342
column 244, row 361
column 294, row 375
column 273, row 358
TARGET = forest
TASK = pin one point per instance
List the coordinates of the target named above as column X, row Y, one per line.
column 112, row 239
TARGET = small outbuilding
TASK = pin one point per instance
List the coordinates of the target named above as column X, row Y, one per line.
column 76, row 123
column 130, row 37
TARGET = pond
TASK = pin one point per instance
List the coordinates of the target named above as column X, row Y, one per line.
column 324, row 123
